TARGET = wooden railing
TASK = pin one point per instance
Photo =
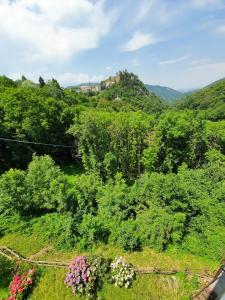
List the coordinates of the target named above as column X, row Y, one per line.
column 13, row 255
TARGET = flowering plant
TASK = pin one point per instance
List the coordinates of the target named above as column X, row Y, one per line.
column 21, row 286
column 86, row 275
column 79, row 276
column 123, row 274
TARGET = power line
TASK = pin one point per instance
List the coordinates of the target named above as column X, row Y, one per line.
column 34, row 143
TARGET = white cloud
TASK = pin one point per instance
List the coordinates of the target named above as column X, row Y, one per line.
column 108, row 68
column 138, row 41
column 218, row 67
column 64, row 79
column 71, row 78
column 204, row 74
column 176, row 60
column 220, row 29
column 144, row 9
column 198, row 62
column 49, row 30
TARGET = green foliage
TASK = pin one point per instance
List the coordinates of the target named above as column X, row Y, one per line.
column 57, row 229
column 29, row 113
column 178, row 137
column 13, row 191
column 126, row 235
column 82, row 193
column 150, row 180
column 91, row 232
column 112, row 142
column 6, row 82
column 46, row 185
column 6, row 269
column 41, row 82
column 215, row 135
column 209, row 100
column 128, row 92
column 158, row 228
column 113, row 201
column 165, row 93
column 126, row 86
column 41, row 188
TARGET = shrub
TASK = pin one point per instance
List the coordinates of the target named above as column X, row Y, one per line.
column 13, row 191
column 6, row 268
column 92, row 232
column 123, row 274
column 83, row 195
column 46, row 185
column 21, row 286
column 56, row 228
column 12, row 222
column 125, row 235
column 41, row 189
column 81, row 277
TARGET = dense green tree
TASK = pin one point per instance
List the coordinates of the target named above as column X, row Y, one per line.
column 83, row 195
column 215, row 135
column 112, row 142
column 91, row 232
column 5, row 83
column 40, row 189
column 26, row 114
column 53, row 89
column 13, row 191
column 178, row 137
column 46, row 185
column 41, row 82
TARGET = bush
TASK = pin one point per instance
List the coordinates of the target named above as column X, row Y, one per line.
column 42, row 188
column 82, row 277
column 83, row 195
column 12, row 222
column 21, row 286
column 6, row 270
column 92, row 232
column 46, row 185
column 123, row 274
column 59, row 229
column 13, row 191
column 126, row 236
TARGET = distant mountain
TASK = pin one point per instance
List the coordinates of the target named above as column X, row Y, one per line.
column 210, row 99
column 164, row 92
column 82, row 84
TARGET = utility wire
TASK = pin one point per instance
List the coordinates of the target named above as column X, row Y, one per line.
column 34, row 143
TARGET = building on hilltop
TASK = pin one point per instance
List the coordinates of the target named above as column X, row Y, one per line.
column 89, row 88
column 110, row 81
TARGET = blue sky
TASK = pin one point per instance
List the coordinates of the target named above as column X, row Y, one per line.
column 180, row 44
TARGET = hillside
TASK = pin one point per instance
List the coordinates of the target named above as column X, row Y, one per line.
column 164, row 92
column 210, row 99
column 117, row 172
column 128, row 88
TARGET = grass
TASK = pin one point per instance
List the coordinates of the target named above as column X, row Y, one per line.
column 29, row 245
column 4, row 293
column 51, row 283
column 51, row 286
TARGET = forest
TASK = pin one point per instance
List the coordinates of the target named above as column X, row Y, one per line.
column 119, row 167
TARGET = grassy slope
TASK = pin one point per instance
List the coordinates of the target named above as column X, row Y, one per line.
column 51, row 283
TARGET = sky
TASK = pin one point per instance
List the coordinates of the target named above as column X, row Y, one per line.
column 175, row 43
